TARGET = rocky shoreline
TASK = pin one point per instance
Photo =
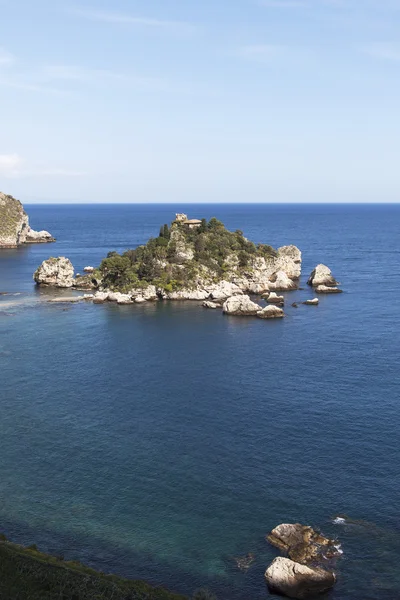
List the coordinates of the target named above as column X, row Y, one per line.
column 14, row 225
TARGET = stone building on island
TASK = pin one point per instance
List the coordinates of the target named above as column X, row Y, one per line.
column 183, row 220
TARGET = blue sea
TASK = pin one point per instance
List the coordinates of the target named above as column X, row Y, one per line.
column 161, row 441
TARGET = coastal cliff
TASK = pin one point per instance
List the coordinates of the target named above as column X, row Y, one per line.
column 14, row 225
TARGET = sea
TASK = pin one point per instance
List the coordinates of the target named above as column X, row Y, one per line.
column 163, row 441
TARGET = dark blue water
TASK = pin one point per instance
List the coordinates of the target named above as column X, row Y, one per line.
column 160, row 441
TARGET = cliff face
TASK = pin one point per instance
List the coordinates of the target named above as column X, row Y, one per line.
column 14, row 225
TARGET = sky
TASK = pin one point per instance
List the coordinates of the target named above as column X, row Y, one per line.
column 200, row 100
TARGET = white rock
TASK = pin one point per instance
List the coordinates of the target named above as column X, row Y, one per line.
column 150, row 293
column 313, row 302
column 322, row 275
column 223, row 290
column 140, row 300
column 289, row 261
column 280, row 282
column 57, row 272
column 271, row 312
column 186, row 294
column 100, row 297
column 125, row 299
column 273, row 298
column 297, row 581
column 326, row 289
column 88, row 269
column 209, row 304
column 240, row 305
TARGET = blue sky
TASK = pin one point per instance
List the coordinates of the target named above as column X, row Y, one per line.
column 200, row 100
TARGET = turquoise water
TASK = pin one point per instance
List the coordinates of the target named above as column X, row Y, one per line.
column 160, row 441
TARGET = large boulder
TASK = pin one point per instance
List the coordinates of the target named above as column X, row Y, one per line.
column 322, row 275
column 14, row 225
column 289, row 261
column 57, row 272
column 241, row 306
column 273, row 298
column 271, row 312
column 281, row 282
column 294, row 580
column 302, row 543
column 223, row 290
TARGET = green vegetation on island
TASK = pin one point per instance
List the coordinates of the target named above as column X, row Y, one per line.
column 183, row 255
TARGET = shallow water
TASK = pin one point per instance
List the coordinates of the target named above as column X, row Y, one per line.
column 160, row 441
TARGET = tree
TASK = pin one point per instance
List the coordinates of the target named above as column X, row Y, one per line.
column 166, row 232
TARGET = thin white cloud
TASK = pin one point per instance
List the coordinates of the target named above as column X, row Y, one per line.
column 13, row 166
column 264, row 52
column 115, row 18
column 6, row 58
column 276, row 54
column 10, row 164
column 384, row 50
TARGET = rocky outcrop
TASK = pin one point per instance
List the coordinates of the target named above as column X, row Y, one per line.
column 209, row 304
column 289, row 261
column 57, row 272
column 281, row 282
column 14, row 225
column 273, row 298
column 88, row 269
column 223, row 290
column 271, row 312
column 322, row 275
column 288, row 578
column 326, row 289
column 302, row 543
column 313, row 302
column 240, row 306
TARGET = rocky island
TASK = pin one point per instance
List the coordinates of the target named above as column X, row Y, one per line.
column 14, row 225
column 191, row 259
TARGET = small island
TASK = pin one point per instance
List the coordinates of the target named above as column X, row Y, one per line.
column 191, row 259
column 14, row 225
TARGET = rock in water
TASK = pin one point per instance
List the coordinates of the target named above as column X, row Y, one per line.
column 291, row 579
column 273, row 298
column 241, row 306
column 302, row 543
column 14, row 225
column 322, row 275
column 313, row 302
column 326, row 289
column 271, row 312
column 57, row 272
column 209, row 304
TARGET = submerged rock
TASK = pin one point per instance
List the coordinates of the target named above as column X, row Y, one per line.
column 322, row 275
column 244, row 562
column 14, row 225
column 294, row 580
column 57, row 272
column 241, row 306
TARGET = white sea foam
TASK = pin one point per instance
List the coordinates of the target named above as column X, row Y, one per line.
column 339, row 521
column 338, row 548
